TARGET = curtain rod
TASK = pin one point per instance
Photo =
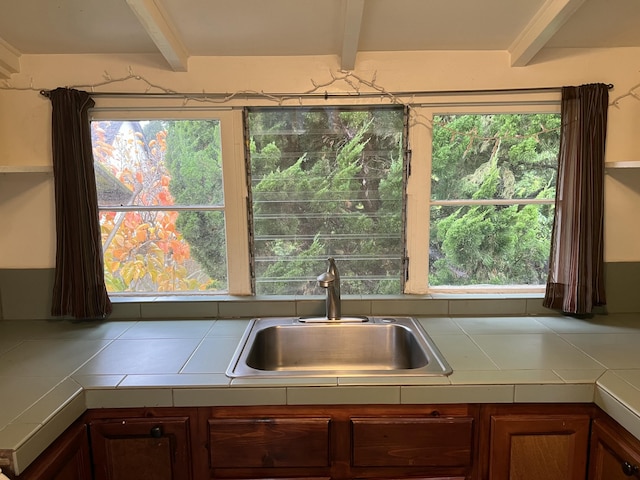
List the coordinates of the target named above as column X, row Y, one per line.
column 325, row 95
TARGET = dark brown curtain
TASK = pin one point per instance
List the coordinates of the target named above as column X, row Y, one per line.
column 79, row 289
column 576, row 268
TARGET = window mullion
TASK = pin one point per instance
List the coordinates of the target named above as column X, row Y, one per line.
column 418, row 194
column 235, row 194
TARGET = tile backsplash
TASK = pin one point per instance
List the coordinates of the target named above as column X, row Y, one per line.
column 25, row 295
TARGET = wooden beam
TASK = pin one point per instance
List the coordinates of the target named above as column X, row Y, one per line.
column 9, row 59
column 544, row 24
column 351, row 34
column 158, row 25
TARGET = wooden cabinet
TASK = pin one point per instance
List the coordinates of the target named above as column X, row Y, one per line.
column 615, row 453
column 418, row 442
column 66, row 459
column 531, row 443
column 342, row 442
column 139, row 448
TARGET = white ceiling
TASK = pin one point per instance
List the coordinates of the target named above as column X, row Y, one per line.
column 182, row 28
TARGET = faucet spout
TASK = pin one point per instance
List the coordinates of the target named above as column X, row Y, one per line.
column 331, row 281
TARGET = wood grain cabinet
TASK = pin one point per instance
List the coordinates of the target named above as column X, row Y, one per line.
column 66, row 459
column 341, row 442
column 539, row 444
column 615, row 453
column 153, row 448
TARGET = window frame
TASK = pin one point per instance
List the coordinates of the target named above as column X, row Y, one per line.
column 418, row 182
column 233, row 178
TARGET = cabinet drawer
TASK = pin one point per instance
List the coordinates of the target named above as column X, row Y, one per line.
column 417, row 442
column 269, row 442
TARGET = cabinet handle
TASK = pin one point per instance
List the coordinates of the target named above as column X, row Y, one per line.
column 156, row 432
column 629, row 469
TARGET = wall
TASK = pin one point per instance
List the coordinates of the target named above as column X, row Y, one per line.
column 26, row 201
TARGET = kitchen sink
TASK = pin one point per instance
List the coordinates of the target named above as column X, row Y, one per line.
column 351, row 346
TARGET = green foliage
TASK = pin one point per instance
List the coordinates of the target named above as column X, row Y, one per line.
column 484, row 157
column 327, row 182
column 194, row 161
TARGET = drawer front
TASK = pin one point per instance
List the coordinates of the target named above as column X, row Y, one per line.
column 412, row 442
column 269, row 442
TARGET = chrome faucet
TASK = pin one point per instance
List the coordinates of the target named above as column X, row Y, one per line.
column 331, row 281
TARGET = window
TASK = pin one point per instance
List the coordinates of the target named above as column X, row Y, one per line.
column 254, row 199
column 493, row 181
column 327, row 182
column 162, row 205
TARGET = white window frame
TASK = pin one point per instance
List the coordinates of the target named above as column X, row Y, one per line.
column 419, row 183
column 233, row 177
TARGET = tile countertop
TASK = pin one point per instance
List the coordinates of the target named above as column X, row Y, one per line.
column 52, row 371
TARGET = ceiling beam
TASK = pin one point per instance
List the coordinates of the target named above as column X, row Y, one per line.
column 544, row 24
column 351, row 34
column 156, row 22
column 9, row 60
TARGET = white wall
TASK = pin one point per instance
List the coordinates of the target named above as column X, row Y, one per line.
column 26, row 201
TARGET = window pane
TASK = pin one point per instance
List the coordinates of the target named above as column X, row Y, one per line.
column 146, row 168
column 489, row 245
column 494, row 156
column 508, row 158
column 327, row 182
column 145, row 252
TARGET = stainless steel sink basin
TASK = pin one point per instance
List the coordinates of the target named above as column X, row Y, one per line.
column 356, row 346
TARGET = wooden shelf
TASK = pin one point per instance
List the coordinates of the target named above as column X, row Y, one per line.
column 26, row 169
column 619, row 165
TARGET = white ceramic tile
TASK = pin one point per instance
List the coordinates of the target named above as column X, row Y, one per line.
column 393, row 380
column 458, row 394
column 51, row 403
column 98, row 381
column 572, row 393
column 149, row 329
column 20, row 393
column 129, row 397
column 52, row 429
column 619, row 323
column 630, row 376
column 533, row 352
column 618, row 411
column 613, row 350
column 212, row 355
column 176, row 380
column 503, row 377
column 63, row 329
column 6, row 345
column 284, row 382
column 481, row 306
column 205, row 397
column 500, row 325
column 141, row 357
column 15, row 434
column 48, row 357
column 343, row 395
column 625, row 392
column 439, row 325
column 228, row 328
column 462, row 354
column 580, row 376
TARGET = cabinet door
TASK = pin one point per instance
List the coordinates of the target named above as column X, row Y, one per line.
column 615, row 455
column 141, row 448
column 534, row 447
column 254, row 443
column 66, row 459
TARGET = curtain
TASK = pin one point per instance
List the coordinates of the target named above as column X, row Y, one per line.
column 575, row 282
column 79, row 289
